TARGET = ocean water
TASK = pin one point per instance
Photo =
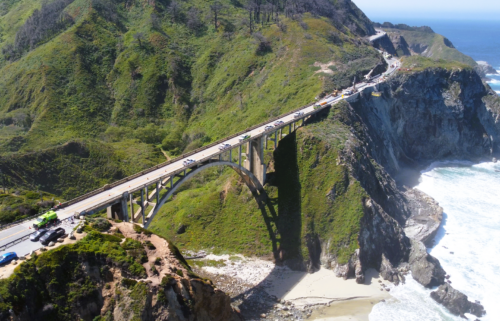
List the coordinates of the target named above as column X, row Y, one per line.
column 470, row 197
column 477, row 39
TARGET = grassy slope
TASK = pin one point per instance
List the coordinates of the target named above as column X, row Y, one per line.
column 312, row 195
column 437, row 48
column 96, row 84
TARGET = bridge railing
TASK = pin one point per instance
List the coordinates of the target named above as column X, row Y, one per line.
column 151, row 169
column 4, row 226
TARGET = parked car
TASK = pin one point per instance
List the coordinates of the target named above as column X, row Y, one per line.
column 298, row 114
column 278, row 123
column 188, row 162
column 224, row 146
column 7, row 257
column 52, row 235
column 244, row 137
column 38, row 234
column 268, row 127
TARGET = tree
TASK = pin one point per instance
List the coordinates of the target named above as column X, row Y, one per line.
column 194, row 22
column 216, row 9
column 139, row 37
column 174, row 11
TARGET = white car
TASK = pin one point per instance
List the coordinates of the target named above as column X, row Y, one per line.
column 188, row 162
column 298, row 114
column 268, row 127
column 278, row 123
column 224, row 146
column 347, row 92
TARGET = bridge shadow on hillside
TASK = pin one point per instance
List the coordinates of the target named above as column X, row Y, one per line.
column 285, row 227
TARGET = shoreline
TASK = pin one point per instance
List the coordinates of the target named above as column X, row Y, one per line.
column 260, row 289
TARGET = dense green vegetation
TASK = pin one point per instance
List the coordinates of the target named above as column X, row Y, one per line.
column 123, row 79
column 94, row 98
column 19, row 204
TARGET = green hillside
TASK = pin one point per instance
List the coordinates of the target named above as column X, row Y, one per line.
column 133, row 77
column 97, row 93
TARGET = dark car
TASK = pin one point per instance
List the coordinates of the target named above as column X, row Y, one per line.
column 38, row 234
column 7, row 257
column 52, row 235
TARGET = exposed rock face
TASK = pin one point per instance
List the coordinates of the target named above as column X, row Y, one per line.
column 431, row 115
column 385, row 44
column 456, row 301
column 425, row 268
column 426, row 217
column 400, row 45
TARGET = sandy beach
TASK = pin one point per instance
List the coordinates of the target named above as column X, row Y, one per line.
column 320, row 295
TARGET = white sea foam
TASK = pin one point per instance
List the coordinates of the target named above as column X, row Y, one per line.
column 469, row 195
column 497, row 91
column 493, row 81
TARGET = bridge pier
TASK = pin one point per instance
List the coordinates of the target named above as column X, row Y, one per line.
column 255, row 159
column 119, row 211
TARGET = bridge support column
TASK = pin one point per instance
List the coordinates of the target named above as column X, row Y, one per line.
column 142, row 205
column 239, row 155
column 276, row 139
column 255, row 162
column 119, row 211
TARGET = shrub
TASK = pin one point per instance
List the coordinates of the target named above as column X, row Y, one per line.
column 128, row 283
column 101, row 224
column 131, row 244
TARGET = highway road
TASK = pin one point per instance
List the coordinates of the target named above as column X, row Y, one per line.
column 115, row 193
column 380, row 33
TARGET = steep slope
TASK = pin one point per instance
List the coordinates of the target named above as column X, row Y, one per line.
column 129, row 276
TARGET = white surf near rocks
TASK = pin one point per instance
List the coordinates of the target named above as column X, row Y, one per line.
column 467, row 243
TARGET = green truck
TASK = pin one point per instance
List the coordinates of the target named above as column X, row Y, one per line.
column 46, row 219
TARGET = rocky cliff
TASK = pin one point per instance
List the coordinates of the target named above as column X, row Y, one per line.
column 343, row 179
column 128, row 274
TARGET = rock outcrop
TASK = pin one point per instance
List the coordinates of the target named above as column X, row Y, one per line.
column 425, row 268
column 129, row 275
column 456, row 302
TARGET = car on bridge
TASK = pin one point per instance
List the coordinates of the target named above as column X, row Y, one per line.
column 319, row 105
column 224, row 146
column 188, row 162
column 278, row 123
column 7, row 257
column 268, row 127
column 52, row 235
column 244, row 137
column 298, row 114
column 38, row 234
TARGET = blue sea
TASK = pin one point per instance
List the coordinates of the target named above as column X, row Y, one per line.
column 468, row 242
column 477, row 39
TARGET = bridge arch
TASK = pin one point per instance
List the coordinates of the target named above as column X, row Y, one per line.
column 248, row 177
